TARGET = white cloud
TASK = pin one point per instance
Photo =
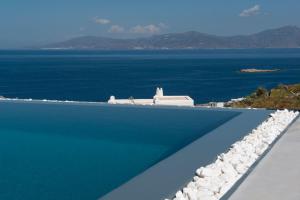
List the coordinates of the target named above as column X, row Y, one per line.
column 148, row 29
column 101, row 21
column 116, row 29
column 162, row 25
column 250, row 11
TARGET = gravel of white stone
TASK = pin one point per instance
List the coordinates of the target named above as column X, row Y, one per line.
column 213, row 181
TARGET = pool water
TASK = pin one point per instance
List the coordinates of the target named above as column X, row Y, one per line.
column 83, row 151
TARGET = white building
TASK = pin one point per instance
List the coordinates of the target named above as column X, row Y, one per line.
column 158, row 99
column 216, row 104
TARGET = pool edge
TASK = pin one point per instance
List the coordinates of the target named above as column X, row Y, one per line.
column 166, row 177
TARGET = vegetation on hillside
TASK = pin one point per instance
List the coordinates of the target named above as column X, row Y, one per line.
column 281, row 97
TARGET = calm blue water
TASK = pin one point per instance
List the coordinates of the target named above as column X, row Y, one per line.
column 76, row 152
column 70, row 152
column 206, row 75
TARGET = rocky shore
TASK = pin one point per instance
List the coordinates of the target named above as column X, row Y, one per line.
column 254, row 70
column 280, row 97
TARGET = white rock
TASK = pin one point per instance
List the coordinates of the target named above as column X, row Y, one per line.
column 207, row 172
column 241, row 168
column 214, row 180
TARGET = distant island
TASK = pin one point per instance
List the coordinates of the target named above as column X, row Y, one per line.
column 284, row 37
column 254, row 70
column 280, row 97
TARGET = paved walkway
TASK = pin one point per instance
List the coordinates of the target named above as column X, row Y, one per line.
column 277, row 176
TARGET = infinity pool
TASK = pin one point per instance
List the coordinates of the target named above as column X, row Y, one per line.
column 83, row 151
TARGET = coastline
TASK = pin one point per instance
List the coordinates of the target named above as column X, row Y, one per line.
column 49, row 101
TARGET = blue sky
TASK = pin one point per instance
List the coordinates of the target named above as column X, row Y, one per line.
column 33, row 22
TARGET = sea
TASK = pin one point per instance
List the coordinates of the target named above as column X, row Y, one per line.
column 205, row 75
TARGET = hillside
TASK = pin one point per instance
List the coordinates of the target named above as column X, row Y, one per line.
column 281, row 97
column 284, row 37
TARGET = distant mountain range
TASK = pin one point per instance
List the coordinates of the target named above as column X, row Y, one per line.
column 284, row 37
